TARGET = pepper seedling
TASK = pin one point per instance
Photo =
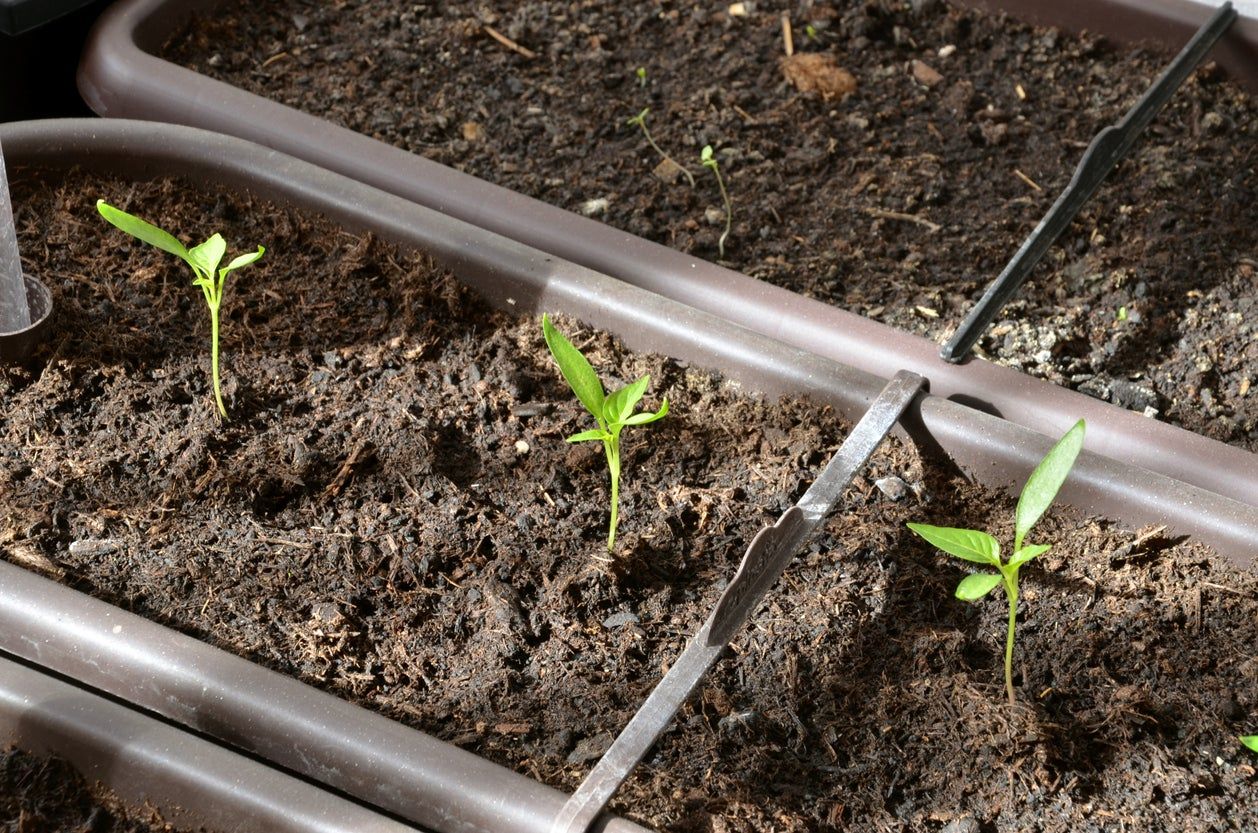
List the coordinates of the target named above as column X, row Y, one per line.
column 613, row 413
column 1250, row 742
column 709, row 161
column 203, row 259
column 640, row 121
column 979, row 547
column 641, row 73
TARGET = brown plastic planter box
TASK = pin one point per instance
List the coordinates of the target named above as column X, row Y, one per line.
column 120, row 77
column 327, row 742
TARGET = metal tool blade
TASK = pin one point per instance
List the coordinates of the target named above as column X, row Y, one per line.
column 762, row 565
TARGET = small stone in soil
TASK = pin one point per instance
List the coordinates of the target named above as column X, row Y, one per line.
column 892, row 487
column 590, row 749
column 619, row 620
column 926, row 74
column 595, row 207
column 94, row 547
column 521, row 447
column 667, row 171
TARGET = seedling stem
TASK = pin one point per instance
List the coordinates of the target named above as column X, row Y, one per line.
column 979, row 547
column 612, row 413
column 203, row 260
column 709, row 161
column 640, row 121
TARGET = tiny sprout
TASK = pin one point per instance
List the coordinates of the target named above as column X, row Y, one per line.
column 972, row 545
column 1122, row 313
column 204, row 260
column 1250, row 742
column 810, row 31
column 612, row 412
column 641, row 73
column 709, row 161
column 640, row 121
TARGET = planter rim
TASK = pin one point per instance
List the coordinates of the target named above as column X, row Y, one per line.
column 190, row 780
column 119, row 78
column 363, row 754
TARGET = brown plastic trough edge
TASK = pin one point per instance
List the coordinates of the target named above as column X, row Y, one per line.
column 364, row 755
column 119, row 78
column 190, row 781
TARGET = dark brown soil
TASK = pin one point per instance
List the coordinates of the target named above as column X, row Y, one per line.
column 392, row 515
column 39, row 795
column 1148, row 301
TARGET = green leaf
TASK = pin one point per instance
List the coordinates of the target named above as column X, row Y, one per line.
column 586, row 436
column 1028, row 552
column 209, row 254
column 976, row 586
column 620, row 404
column 705, row 156
column 575, row 369
column 1250, row 742
column 644, row 418
column 243, row 260
column 969, row 544
column 1042, row 486
column 146, row 232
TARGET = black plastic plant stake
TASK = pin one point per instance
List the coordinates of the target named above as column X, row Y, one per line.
column 1106, row 150
column 763, row 563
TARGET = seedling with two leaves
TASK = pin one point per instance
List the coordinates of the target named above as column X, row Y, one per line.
column 204, row 261
column 979, row 547
column 613, row 413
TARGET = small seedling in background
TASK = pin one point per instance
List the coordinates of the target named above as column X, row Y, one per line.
column 204, row 260
column 709, row 161
column 613, row 412
column 1250, row 742
column 810, row 31
column 640, row 121
column 972, row 545
column 1122, row 313
column 641, row 73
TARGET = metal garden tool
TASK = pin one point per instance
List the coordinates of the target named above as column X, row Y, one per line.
column 761, row 566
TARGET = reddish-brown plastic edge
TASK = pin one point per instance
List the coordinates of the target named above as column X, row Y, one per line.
column 193, row 783
column 119, row 78
column 361, row 754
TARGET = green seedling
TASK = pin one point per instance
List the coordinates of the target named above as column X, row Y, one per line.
column 204, row 260
column 979, row 547
column 640, row 121
column 709, row 161
column 810, row 31
column 641, row 73
column 1250, row 742
column 1122, row 313
column 613, row 413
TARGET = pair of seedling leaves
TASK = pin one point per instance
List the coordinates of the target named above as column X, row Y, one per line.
column 613, row 412
column 981, row 548
column 204, row 261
